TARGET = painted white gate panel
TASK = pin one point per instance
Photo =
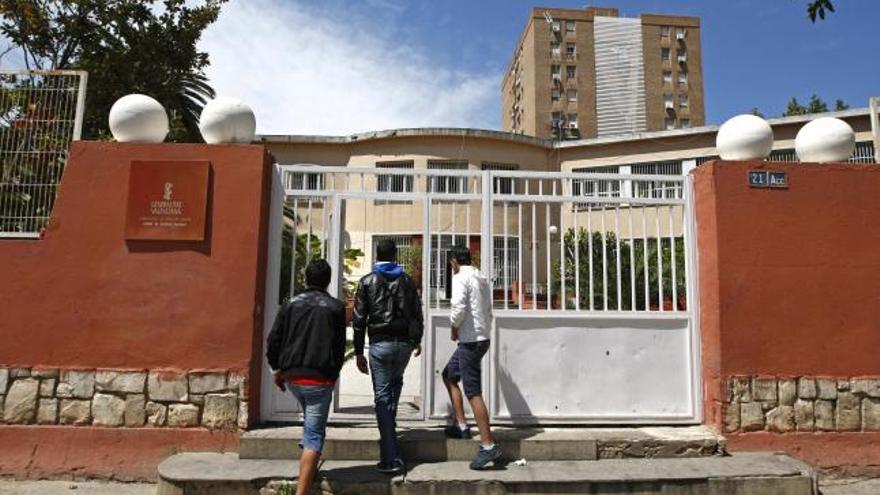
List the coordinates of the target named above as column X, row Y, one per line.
column 439, row 406
column 589, row 369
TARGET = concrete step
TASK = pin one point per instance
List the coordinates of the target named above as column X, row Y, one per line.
column 740, row 474
column 428, row 444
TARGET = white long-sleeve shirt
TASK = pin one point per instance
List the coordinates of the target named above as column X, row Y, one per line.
column 471, row 305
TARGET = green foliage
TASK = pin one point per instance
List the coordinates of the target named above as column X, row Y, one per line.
column 127, row 46
column 308, row 248
column 350, row 262
column 815, row 105
column 634, row 265
column 757, row 112
column 411, row 258
column 35, row 126
column 818, row 8
column 288, row 488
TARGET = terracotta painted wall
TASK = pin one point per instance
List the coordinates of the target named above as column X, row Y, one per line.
column 790, row 288
column 84, row 297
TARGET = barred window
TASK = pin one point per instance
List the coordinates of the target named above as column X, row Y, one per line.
column 505, row 273
column 501, row 185
column 402, row 241
column 657, row 189
column 864, row 153
column 395, row 183
column 305, row 181
column 448, row 184
column 593, row 187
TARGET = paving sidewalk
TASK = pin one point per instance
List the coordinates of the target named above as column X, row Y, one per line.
column 75, row 488
column 828, row 486
column 849, row 486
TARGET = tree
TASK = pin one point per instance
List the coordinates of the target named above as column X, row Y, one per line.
column 127, row 46
column 818, row 8
column 815, row 105
column 794, row 108
column 757, row 112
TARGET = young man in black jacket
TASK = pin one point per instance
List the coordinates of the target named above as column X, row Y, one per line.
column 387, row 308
column 306, row 350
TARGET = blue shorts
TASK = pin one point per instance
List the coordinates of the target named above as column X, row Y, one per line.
column 315, row 402
column 465, row 366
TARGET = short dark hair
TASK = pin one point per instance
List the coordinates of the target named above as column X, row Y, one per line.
column 460, row 254
column 318, row 274
column 386, row 250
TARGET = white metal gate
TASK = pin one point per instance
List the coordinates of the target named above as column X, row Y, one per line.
column 594, row 282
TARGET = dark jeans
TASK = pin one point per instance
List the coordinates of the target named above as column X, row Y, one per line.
column 388, row 360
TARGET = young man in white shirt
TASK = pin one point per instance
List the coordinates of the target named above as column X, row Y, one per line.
column 471, row 319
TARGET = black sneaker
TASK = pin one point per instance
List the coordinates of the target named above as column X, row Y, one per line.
column 484, row 457
column 395, row 468
column 453, row 431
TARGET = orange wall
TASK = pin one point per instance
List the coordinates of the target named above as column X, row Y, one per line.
column 790, row 279
column 85, row 297
column 790, row 287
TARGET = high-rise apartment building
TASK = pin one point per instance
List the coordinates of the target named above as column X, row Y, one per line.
column 582, row 73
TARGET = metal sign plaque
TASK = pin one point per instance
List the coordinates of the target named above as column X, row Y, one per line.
column 167, row 200
column 768, row 179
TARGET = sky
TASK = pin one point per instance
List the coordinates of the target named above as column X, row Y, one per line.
column 343, row 66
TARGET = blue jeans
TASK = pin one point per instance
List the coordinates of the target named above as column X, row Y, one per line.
column 388, row 361
column 315, row 402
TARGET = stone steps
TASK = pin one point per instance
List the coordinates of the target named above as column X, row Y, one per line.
column 428, row 444
column 740, row 474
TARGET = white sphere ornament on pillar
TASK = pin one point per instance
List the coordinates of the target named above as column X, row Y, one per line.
column 137, row 118
column 227, row 120
column 744, row 137
column 825, row 140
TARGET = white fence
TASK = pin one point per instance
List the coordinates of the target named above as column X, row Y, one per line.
column 595, row 289
column 41, row 112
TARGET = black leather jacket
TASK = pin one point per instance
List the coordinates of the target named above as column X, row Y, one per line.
column 387, row 309
column 308, row 337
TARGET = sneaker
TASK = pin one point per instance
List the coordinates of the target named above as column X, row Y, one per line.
column 395, row 468
column 484, row 457
column 453, row 431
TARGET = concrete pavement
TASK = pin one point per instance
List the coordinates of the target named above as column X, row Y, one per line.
column 75, row 488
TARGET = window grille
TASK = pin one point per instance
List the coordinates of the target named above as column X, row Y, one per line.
column 657, row 189
column 448, row 184
column 595, row 188
column 394, row 183
column 501, row 185
column 402, row 242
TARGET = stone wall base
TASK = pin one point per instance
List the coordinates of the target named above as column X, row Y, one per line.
column 801, row 404
column 114, row 398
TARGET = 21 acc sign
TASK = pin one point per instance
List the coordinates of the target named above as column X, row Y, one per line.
column 167, row 200
column 768, row 179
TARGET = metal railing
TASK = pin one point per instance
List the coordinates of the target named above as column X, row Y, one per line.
column 623, row 252
column 549, row 241
column 41, row 112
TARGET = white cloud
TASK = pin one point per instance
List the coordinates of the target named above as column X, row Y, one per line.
column 306, row 72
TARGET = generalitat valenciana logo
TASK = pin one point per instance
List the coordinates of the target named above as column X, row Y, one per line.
column 166, row 195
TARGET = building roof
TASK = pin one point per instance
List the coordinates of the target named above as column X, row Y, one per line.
column 531, row 140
